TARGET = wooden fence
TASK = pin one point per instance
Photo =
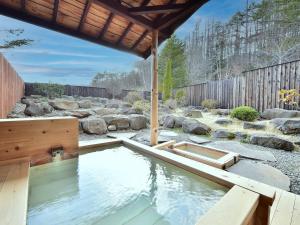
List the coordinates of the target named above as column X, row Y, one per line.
column 257, row 88
column 11, row 87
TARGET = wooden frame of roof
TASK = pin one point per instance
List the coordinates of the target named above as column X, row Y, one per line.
column 125, row 25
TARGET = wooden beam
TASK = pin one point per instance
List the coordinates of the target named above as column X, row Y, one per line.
column 141, row 38
column 55, row 10
column 168, row 20
column 7, row 11
column 123, row 11
column 23, row 5
column 84, row 14
column 156, row 9
column 104, row 29
column 125, row 32
column 154, row 90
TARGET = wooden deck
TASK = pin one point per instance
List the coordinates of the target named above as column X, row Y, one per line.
column 14, row 179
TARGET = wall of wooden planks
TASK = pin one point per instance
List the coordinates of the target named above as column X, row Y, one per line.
column 35, row 138
column 257, row 88
column 11, row 87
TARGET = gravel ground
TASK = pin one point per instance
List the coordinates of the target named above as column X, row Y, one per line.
column 287, row 162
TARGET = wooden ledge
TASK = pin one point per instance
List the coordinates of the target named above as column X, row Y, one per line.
column 98, row 143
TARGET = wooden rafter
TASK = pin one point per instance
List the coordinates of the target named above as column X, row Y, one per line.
column 156, row 9
column 55, row 10
column 168, row 20
column 122, row 11
column 104, row 29
column 125, row 32
column 141, row 38
column 84, row 14
column 23, row 5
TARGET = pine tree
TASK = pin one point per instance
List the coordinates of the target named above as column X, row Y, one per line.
column 168, row 81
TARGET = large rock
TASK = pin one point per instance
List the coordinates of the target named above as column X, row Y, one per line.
column 85, row 104
column 279, row 113
column 38, row 109
column 94, row 126
column 80, row 113
column 193, row 126
column 223, row 134
column 287, row 126
column 121, row 122
column 271, row 141
column 169, row 121
column 105, row 111
column 255, row 126
column 221, row 112
column 137, row 122
column 19, row 108
column 62, row 104
column 223, row 121
column 196, row 113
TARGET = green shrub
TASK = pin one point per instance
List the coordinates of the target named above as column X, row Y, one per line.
column 209, row 103
column 180, row 97
column 49, row 90
column 142, row 106
column 244, row 113
column 133, row 96
column 168, row 81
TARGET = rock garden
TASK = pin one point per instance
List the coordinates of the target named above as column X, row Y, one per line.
column 268, row 142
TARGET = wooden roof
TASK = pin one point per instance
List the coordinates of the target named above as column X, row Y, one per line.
column 120, row 24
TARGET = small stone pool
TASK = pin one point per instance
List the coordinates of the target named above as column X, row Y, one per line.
column 117, row 186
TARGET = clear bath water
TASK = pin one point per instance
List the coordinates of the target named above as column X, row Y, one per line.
column 117, row 186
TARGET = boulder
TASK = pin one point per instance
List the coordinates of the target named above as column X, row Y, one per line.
column 223, row 121
column 193, row 126
column 112, row 105
column 38, row 109
column 137, row 122
column 178, row 121
column 80, row 113
column 112, row 127
column 221, row 112
column 121, row 122
column 169, row 121
column 26, row 101
column 271, row 141
column 287, row 126
column 19, row 108
column 279, row 113
column 223, row 134
column 62, row 104
column 240, row 135
column 94, row 125
column 255, row 126
column 105, row 111
column 129, row 111
column 85, row 104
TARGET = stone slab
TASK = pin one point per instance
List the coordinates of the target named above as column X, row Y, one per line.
column 128, row 135
column 198, row 140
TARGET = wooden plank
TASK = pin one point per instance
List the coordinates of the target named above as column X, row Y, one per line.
column 98, row 143
column 296, row 213
column 14, row 194
column 227, row 207
column 45, row 134
column 284, row 210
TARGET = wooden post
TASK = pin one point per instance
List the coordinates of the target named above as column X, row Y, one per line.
column 154, row 90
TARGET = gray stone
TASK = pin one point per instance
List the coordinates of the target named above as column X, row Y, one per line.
column 169, row 121
column 137, row 122
column 196, row 113
column 121, row 122
column 223, row 121
column 240, row 135
column 94, row 126
column 245, row 150
column 62, row 104
column 287, row 126
column 112, row 105
column 221, row 112
column 220, row 133
column 85, row 104
column 26, row 101
column 271, row 141
column 198, row 140
column 122, row 135
column 38, row 109
column 178, row 121
column 19, row 108
column 80, row 113
column 105, row 111
column 255, row 126
column 279, row 113
column 168, row 133
column 193, row 126
column 112, row 127
column 262, row 173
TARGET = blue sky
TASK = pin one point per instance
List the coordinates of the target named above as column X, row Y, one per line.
column 54, row 57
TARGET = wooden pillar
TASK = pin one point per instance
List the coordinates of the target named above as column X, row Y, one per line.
column 154, row 90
